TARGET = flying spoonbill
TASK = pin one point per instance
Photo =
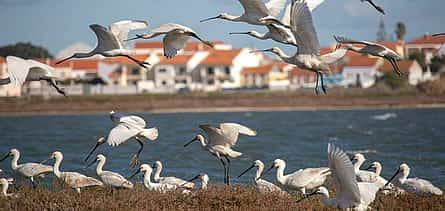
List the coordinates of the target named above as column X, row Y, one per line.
column 175, row 37
column 349, row 193
column 220, row 140
column 308, row 55
column 262, row 185
column 29, row 170
column 127, row 127
column 152, row 186
column 21, row 70
column 111, row 41
column 110, row 178
column 73, row 179
column 301, row 180
column 414, row 185
column 256, row 12
column 169, row 180
column 373, row 49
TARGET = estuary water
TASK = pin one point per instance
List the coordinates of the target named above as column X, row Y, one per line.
column 391, row 136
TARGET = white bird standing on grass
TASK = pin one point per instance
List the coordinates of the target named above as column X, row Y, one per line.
column 301, row 180
column 362, row 175
column 308, row 55
column 349, row 193
column 262, row 185
column 175, row 37
column 110, row 178
column 204, row 180
column 373, row 49
column 256, row 12
column 152, row 186
column 169, row 180
column 127, row 127
column 220, row 140
column 5, row 184
column 111, row 41
column 74, row 180
column 414, row 185
column 21, row 70
column 29, row 170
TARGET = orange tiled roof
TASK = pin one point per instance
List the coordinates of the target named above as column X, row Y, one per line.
column 178, row 59
column 124, row 60
column 404, row 65
column 2, row 60
column 257, row 70
column 89, row 65
column 199, row 46
column 428, row 39
column 361, row 61
column 221, row 57
column 148, row 45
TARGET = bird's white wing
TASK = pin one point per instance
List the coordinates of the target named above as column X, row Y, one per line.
column 162, row 29
column 343, row 173
column 275, row 7
column 173, row 42
column 215, row 135
column 344, row 40
column 231, row 131
column 333, row 57
column 367, row 192
column 76, row 180
column 303, row 28
column 421, row 186
column 176, row 181
column 120, row 29
column 121, row 133
column 106, row 41
column 18, row 70
column 312, row 4
column 133, row 120
column 254, row 8
column 113, row 179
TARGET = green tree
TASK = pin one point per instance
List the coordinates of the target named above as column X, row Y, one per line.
column 437, row 63
column 381, row 33
column 400, row 30
column 420, row 58
column 394, row 81
column 25, row 50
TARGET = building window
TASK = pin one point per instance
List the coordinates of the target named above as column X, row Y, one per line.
column 227, row 70
column 164, row 83
column 210, row 71
column 211, row 82
column 163, row 70
column 135, row 71
column 182, row 71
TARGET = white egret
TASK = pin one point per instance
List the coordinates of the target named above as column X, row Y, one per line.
column 152, row 186
column 378, row 8
column 74, row 180
column 21, row 70
column 308, row 55
column 220, row 140
column 362, row 175
column 373, row 49
column 175, row 37
column 29, row 170
column 256, row 12
column 349, row 193
column 169, row 180
column 262, row 185
column 111, row 41
column 413, row 185
column 127, row 127
column 110, row 178
column 300, row 180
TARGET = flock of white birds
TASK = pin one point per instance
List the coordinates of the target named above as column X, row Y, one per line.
column 355, row 188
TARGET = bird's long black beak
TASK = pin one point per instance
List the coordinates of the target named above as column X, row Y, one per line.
column 208, row 19
column 138, row 36
column 94, row 149
column 393, row 176
column 245, row 171
column 232, row 33
column 307, row 196
column 188, row 143
column 6, row 156
column 64, row 60
column 135, row 173
column 271, row 167
column 265, row 50
column 194, row 178
column 90, row 164
column 369, row 167
column 46, row 161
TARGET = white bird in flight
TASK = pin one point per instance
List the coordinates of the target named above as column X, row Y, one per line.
column 29, row 170
column 350, row 194
column 302, row 179
column 220, row 140
column 21, row 70
column 256, row 12
column 74, row 180
column 378, row 8
column 277, row 32
column 152, row 186
column 175, row 37
column 110, row 178
column 127, row 127
column 169, row 180
column 413, row 185
column 373, row 49
column 262, row 185
column 308, row 55
column 111, row 41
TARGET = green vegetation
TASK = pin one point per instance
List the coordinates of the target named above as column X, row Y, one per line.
column 25, row 50
column 394, row 81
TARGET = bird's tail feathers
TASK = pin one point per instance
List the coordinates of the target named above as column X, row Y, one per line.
column 234, row 154
column 151, row 133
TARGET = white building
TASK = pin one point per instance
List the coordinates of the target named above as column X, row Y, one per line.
column 361, row 71
column 409, row 68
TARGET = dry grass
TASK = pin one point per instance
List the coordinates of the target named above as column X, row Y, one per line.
column 215, row 198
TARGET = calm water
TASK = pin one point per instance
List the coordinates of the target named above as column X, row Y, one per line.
column 414, row 136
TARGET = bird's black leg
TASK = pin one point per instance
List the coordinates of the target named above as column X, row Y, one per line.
column 135, row 160
column 397, row 67
column 5, row 81
column 33, row 183
column 225, row 172
column 228, row 170
column 140, row 63
column 316, row 85
column 322, row 83
column 58, row 89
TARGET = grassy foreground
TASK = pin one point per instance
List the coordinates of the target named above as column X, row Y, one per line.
column 215, row 198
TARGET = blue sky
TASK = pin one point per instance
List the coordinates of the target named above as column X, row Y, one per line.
column 56, row 24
